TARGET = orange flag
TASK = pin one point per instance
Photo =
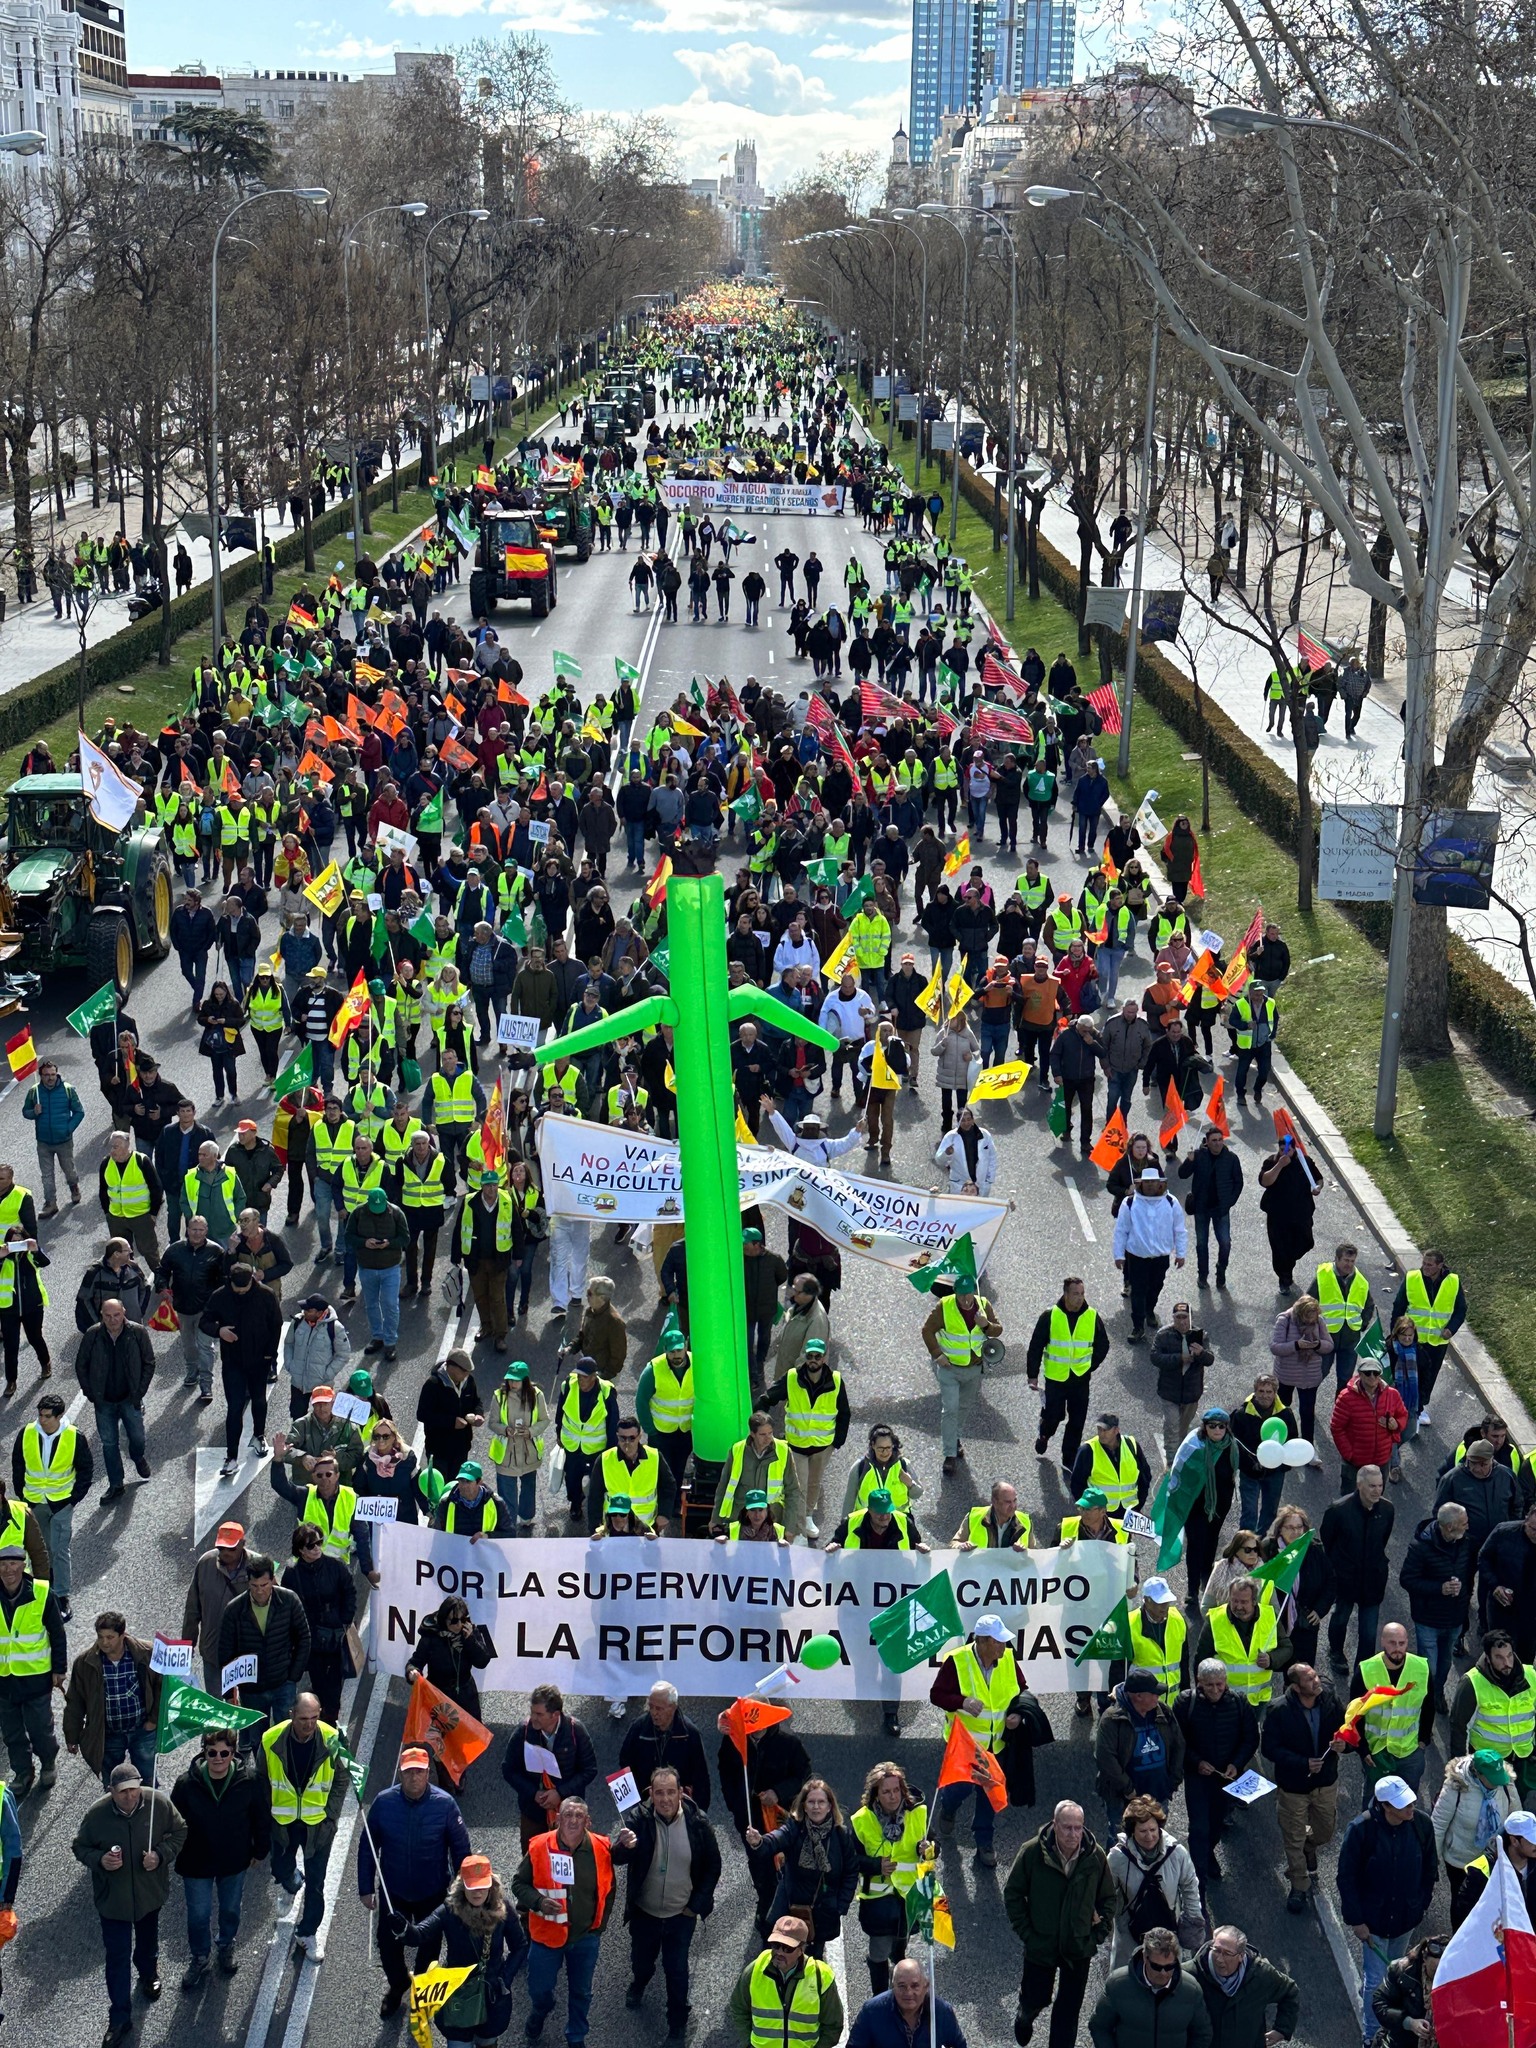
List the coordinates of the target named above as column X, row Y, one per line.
column 1108, row 867
column 750, row 1717
column 1216, row 1108
column 505, row 694
column 229, row 781
column 1175, row 1117
column 313, row 765
column 335, row 730
column 1112, row 1141
column 456, row 754
column 1284, row 1128
column 434, row 1722
column 453, row 707
column 962, row 1753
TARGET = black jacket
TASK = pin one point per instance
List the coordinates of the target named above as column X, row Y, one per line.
column 777, row 1762
column 257, row 1322
column 94, row 1363
column 645, row 1748
column 828, row 1895
column 1431, row 1559
column 1182, row 1363
column 192, row 1273
column 1288, row 1741
column 703, row 1852
column 1219, row 1732
column 228, row 1831
column 1216, row 1181
column 1356, row 1543
column 572, row 1746
column 451, row 1665
column 281, row 1648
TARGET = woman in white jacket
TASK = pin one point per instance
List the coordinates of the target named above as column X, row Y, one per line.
column 1147, row 1854
column 1478, row 1796
column 970, row 1155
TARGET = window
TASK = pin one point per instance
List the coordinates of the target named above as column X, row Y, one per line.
column 285, row 110
column 253, row 107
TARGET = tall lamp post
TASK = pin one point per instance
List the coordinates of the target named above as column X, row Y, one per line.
column 429, row 436
column 995, row 220
column 935, row 211
column 904, row 214
column 313, row 195
column 404, row 209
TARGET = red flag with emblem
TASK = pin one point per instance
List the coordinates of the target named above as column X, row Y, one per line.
column 746, row 1717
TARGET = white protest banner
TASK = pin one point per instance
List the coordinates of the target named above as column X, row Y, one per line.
column 738, row 494
column 388, row 836
column 375, row 1507
column 562, row 1868
column 612, row 1617
column 538, row 832
column 1147, row 822
column 1138, row 1524
column 537, row 1758
column 239, row 1671
column 1250, row 1787
column 623, row 1176
column 171, row 1657
column 522, row 1033
column 351, row 1408
column 626, row 1793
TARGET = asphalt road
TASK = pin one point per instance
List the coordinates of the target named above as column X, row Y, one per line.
column 138, row 1554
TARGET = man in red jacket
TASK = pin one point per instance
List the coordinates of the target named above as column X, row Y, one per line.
column 1367, row 1423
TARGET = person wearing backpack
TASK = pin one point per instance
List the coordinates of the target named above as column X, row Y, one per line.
column 1156, row 1879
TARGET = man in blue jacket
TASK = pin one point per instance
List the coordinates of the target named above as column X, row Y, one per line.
column 898, row 2017
column 411, row 1848
column 1387, row 1873
column 57, row 1111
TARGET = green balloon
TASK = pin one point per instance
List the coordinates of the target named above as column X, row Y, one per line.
column 821, row 1653
column 1274, row 1431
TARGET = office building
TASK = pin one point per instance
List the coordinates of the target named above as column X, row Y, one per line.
column 106, row 99
column 953, row 55
column 1044, row 43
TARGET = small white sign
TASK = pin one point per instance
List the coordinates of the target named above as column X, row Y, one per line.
column 521, row 1032
column 1137, row 1524
column 239, row 1671
column 562, row 1868
column 1250, row 1786
column 171, row 1657
column 375, row 1507
column 388, row 836
column 538, row 832
column 351, row 1408
column 537, row 1758
column 626, row 1793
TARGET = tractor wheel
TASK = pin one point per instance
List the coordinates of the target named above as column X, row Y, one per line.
column 109, row 951
column 480, row 607
column 539, row 598
column 584, row 547
column 155, row 929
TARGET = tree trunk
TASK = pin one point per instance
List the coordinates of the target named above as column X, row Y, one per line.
column 1301, row 563
column 19, row 445
column 1382, row 554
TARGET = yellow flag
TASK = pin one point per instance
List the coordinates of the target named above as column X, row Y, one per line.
column 880, row 1075
column 943, row 1922
column 959, row 993
column 593, row 732
column 430, row 1991
column 957, row 859
column 931, row 1001
column 841, row 961
column 327, row 891
column 682, row 725
column 996, row 1084
column 744, row 1129
column 668, row 1078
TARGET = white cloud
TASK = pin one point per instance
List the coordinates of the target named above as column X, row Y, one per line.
column 573, row 18
column 755, row 77
column 788, row 143
column 349, row 50
column 896, row 49
column 771, row 17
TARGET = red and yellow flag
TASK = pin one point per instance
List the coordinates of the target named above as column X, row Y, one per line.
column 485, row 479
column 956, row 860
column 354, row 1008
column 22, row 1053
column 493, row 1133
column 526, row 562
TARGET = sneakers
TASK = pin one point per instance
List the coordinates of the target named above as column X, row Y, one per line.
column 74, row 1196
column 228, row 1469
column 811, row 1529
column 196, row 1971
column 261, row 1447
column 22, row 1784
column 112, row 1493
column 1296, row 1903
column 228, row 1961
column 149, row 1987
column 141, row 1466
column 66, row 1611
column 392, row 1353
column 373, row 1347
column 50, row 1209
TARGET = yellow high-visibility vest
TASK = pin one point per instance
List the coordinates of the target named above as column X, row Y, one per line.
column 48, row 1476
column 671, row 1396
column 640, row 1481
column 996, row 1691
column 810, row 1425
column 306, row 1807
column 1069, row 1348
column 1253, row 1681
column 1342, row 1311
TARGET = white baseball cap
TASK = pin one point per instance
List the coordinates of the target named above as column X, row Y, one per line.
column 1395, row 1792
column 989, row 1625
column 1523, row 1825
column 1157, row 1589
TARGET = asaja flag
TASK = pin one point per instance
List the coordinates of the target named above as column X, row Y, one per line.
column 917, row 1628
column 744, row 1718
column 94, row 1010
column 928, row 1912
column 1373, row 1343
column 1189, row 1481
column 112, row 797
column 967, row 1763
column 1175, row 1117
column 861, row 893
column 378, row 943
column 22, row 1053
column 957, row 1269
column 749, row 808
column 1484, row 1993
column 1284, row 1568
column 823, row 873
column 1110, row 1146
column 185, row 1711
column 565, row 665
column 1056, row 1115
column 431, row 818
column 440, row 1725
column 996, row 1084
column 357, row 1772
column 1111, row 1639
column 624, row 670
column 299, row 1073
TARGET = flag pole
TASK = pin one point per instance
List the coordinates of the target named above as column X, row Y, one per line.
column 933, row 1988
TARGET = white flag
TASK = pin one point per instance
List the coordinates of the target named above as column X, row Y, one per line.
column 113, row 798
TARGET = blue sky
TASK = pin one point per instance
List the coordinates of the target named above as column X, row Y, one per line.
column 798, row 76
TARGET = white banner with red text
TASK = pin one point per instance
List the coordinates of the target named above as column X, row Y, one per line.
column 740, row 494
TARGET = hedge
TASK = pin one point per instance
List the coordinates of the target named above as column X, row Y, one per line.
column 1499, row 1018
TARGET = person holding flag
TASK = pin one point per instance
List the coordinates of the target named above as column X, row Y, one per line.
column 413, row 1840
column 486, row 1948
column 977, row 1690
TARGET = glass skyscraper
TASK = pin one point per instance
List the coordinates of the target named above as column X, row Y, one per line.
column 961, row 48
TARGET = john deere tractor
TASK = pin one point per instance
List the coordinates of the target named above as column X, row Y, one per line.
column 566, row 518
column 512, row 560
column 74, row 894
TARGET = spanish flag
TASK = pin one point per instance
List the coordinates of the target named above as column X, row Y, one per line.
column 354, row 1007
column 526, row 561
column 297, row 616
column 961, row 855
column 485, row 479
column 22, row 1053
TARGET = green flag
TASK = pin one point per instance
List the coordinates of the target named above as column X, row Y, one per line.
column 625, row 670
column 696, row 692
column 1373, row 1343
column 749, row 807
column 920, row 1904
column 660, row 957
column 513, row 927
column 378, row 944
column 958, row 1266
column 1112, row 1638
column 95, row 1009
column 860, row 894
column 1056, row 1115
column 287, row 667
column 949, row 682
column 424, row 929
column 357, row 1772
column 311, row 665
column 462, row 531
column 823, row 873
column 1284, row 1568
column 431, row 819
column 1189, row 1480
column 298, row 1074
column 566, row 665
column 185, row 1712
column 268, row 712
column 912, row 1630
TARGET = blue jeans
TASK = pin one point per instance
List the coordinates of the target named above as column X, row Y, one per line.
column 1109, row 960
column 953, row 1797
column 1122, row 1089
column 976, row 810
column 57, row 1523
column 1221, row 1226
column 194, row 970
column 241, row 974
column 325, row 1204
column 131, row 1945
column 1338, row 1624
column 520, row 1493
column 580, row 1959
column 1259, row 1500
column 995, row 1025
column 1436, row 1644
column 381, row 1298
column 276, row 1702
column 1375, row 1954
column 132, row 1745
column 200, row 1891
column 109, row 1414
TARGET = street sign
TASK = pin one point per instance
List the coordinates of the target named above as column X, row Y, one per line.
column 1357, row 853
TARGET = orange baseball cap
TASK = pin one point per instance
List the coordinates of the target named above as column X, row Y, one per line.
column 321, row 1394
column 476, row 1870
column 230, row 1536
column 415, row 1760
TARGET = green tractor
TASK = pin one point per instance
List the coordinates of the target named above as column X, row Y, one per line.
column 74, row 894
column 511, row 561
column 566, row 519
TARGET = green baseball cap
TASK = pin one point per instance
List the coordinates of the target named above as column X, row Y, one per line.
column 751, row 1235
column 818, row 1345
column 618, row 1504
column 517, row 1370
column 880, row 1501
column 361, row 1384
column 469, row 1470
column 491, row 1179
column 377, row 988
column 377, row 1200
column 1093, row 1497
column 1490, row 1767
column 755, row 1499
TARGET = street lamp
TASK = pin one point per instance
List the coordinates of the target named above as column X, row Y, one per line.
column 429, row 435
column 996, row 220
column 905, row 214
column 24, row 142
column 933, row 208
column 405, row 209
column 313, row 195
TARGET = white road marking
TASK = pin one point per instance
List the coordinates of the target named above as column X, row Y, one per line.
column 1082, row 1213
column 212, row 1497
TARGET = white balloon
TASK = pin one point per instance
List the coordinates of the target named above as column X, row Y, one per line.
column 1271, row 1455
column 1297, row 1452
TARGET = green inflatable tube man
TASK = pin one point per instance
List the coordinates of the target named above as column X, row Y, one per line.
column 701, row 1012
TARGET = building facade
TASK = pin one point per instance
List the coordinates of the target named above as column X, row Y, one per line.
column 280, row 98
column 106, row 99
column 1044, row 44
column 40, row 73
